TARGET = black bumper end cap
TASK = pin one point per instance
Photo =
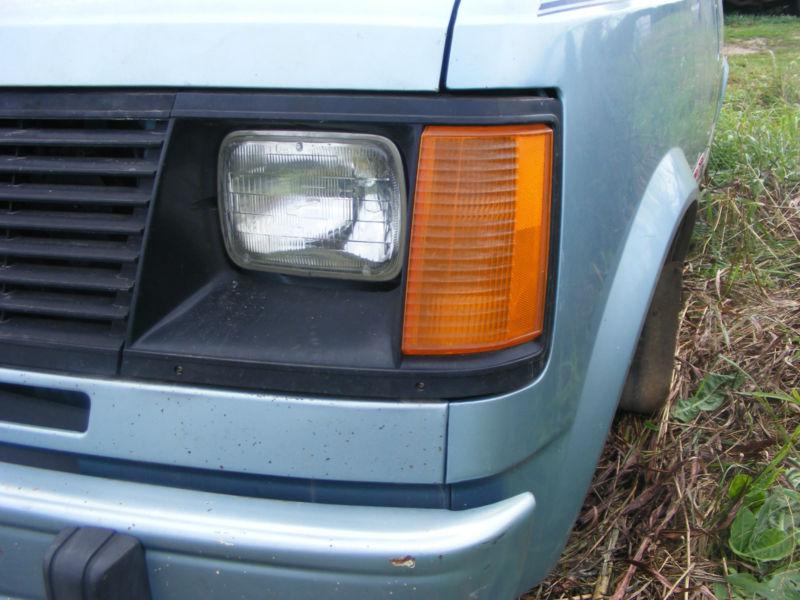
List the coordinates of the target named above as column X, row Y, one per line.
column 90, row 563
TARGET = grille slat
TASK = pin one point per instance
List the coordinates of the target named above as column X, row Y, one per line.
column 75, row 196
column 79, row 137
column 62, row 305
column 65, row 250
column 74, row 278
column 49, row 333
column 77, row 166
column 68, row 221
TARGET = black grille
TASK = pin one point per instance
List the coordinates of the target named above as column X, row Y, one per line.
column 74, row 202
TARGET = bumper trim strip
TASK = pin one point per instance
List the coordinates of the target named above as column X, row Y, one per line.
column 452, row 552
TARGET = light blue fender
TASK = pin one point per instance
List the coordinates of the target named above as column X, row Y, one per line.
column 559, row 472
column 639, row 82
column 517, row 418
column 669, row 195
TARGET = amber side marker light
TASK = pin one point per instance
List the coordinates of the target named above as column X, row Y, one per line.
column 477, row 273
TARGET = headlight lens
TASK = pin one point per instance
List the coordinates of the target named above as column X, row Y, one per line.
column 313, row 203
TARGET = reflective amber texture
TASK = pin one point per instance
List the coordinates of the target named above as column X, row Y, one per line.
column 477, row 271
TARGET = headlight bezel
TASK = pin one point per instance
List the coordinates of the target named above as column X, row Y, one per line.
column 395, row 164
column 227, row 326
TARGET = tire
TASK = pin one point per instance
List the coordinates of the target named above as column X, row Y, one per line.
column 650, row 375
column 647, row 386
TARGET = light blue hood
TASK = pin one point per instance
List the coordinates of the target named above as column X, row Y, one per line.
column 288, row 44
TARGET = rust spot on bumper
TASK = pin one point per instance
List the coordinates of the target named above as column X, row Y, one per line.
column 409, row 562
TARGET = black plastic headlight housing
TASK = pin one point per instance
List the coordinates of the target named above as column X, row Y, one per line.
column 205, row 315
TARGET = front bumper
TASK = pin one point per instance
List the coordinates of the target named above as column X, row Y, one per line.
column 203, row 545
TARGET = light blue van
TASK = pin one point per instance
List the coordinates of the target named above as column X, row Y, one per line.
column 308, row 299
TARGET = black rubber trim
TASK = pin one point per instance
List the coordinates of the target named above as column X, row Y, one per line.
column 421, row 109
column 84, row 104
column 448, row 379
column 44, row 407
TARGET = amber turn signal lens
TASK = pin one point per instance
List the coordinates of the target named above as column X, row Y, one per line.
column 477, row 271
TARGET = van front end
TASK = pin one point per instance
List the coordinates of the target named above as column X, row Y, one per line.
column 304, row 302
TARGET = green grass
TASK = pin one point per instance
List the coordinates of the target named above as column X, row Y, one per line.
column 749, row 233
column 781, row 31
column 754, row 171
column 772, row 71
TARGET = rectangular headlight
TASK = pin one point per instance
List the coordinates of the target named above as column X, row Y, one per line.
column 313, row 203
